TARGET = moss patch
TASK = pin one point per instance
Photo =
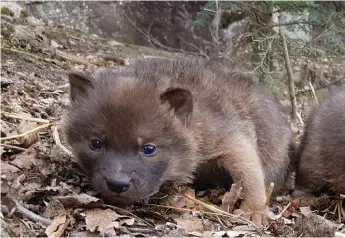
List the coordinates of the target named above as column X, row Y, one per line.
column 6, row 11
column 24, row 13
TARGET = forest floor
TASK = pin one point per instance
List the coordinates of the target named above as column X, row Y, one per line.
column 44, row 192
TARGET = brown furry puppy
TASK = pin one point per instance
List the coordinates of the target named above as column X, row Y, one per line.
column 135, row 127
column 321, row 155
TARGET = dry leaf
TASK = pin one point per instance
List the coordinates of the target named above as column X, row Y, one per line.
column 191, row 224
column 101, row 220
column 80, row 200
column 31, row 138
column 183, row 202
column 230, row 198
column 58, row 226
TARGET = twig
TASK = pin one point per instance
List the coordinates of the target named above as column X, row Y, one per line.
column 269, row 193
column 209, row 207
column 27, row 132
column 73, row 58
column 285, row 208
column 22, row 52
column 13, row 147
column 323, row 86
column 300, row 118
column 18, row 116
column 313, row 91
column 31, row 215
column 339, row 203
column 200, row 211
column 290, row 77
column 216, row 210
column 265, row 55
column 128, row 213
column 58, row 141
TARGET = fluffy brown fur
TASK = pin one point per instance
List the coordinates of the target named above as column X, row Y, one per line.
column 192, row 110
column 321, row 155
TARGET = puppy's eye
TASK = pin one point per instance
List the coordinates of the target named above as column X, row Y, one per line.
column 149, row 150
column 96, row 144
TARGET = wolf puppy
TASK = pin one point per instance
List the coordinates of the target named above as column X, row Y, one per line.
column 135, row 127
column 321, row 155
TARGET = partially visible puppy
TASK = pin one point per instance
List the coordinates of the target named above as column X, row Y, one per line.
column 321, row 154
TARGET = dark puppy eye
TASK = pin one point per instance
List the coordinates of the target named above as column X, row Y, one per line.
column 96, row 144
column 149, row 150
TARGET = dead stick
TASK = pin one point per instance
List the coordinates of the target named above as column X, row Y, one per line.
column 207, row 206
column 27, row 132
column 17, row 116
column 339, row 203
column 313, row 91
column 31, row 215
column 213, row 209
column 13, row 147
column 285, row 208
column 190, row 210
column 58, row 141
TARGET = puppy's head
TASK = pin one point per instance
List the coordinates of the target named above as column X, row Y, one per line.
column 128, row 136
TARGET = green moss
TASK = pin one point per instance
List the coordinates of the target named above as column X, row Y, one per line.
column 6, row 11
column 127, row 45
column 24, row 13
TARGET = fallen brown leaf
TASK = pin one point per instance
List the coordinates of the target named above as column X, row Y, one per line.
column 27, row 140
column 183, row 202
column 190, row 224
column 58, row 226
column 103, row 221
column 80, row 200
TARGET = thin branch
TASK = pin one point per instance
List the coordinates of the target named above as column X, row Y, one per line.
column 31, row 215
column 18, row 116
column 290, row 77
column 214, row 209
column 13, row 147
column 27, row 132
column 321, row 87
column 58, row 141
column 313, row 91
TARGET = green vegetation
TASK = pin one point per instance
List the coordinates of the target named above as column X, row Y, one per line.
column 6, row 11
column 127, row 44
column 24, row 13
column 315, row 32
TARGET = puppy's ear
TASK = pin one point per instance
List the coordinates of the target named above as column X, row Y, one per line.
column 181, row 101
column 79, row 83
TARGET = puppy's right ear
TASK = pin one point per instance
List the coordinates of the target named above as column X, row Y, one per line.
column 79, row 83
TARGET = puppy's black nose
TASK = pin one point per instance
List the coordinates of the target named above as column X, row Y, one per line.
column 118, row 185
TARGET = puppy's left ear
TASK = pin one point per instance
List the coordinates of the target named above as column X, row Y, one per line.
column 79, row 83
column 181, row 101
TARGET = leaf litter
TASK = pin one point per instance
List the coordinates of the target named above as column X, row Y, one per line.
column 44, row 192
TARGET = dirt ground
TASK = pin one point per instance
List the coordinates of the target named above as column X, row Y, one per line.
column 43, row 191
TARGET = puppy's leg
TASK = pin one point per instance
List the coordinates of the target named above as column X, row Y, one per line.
column 244, row 165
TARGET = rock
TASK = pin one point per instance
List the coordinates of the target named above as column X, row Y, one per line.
column 34, row 21
column 21, row 32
